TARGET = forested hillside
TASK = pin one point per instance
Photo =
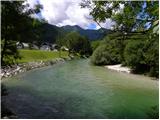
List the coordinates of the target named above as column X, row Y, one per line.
column 90, row 34
column 135, row 40
column 51, row 32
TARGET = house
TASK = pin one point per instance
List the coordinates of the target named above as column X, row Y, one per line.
column 64, row 48
column 21, row 45
column 54, row 47
column 35, row 47
column 46, row 46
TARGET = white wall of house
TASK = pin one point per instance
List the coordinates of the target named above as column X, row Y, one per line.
column 45, row 47
column 22, row 45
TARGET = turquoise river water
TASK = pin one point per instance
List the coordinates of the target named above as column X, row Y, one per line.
column 76, row 89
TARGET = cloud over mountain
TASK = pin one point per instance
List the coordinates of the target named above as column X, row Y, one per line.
column 67, row 12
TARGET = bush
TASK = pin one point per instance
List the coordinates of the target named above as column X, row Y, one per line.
column 152, row 56
column 104, row 55
column 77, row 44
column 108, row 52
column 142, row 56
column 134, row 54
column 140, row 51
column 95, row 44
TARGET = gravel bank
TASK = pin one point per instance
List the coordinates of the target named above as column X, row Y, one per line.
column 9, row 71
column 118, row 68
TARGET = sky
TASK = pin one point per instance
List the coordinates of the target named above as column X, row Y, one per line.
column 67, row 12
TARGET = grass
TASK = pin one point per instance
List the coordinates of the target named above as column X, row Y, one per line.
column 38, row 55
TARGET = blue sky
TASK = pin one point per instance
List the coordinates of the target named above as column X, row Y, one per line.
column 92, row 26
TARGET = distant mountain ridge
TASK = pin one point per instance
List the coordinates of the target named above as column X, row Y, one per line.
column 90, row 34
column 51, row 32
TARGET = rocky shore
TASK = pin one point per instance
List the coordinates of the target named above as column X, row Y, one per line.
column 9, row 71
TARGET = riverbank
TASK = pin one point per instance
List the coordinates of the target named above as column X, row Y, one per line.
column 118, row 68
column 124, row 69
column 9, row 71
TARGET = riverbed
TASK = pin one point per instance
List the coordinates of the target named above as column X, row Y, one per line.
column 76, row 89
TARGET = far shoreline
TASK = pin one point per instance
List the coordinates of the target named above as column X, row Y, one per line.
column 125, row 69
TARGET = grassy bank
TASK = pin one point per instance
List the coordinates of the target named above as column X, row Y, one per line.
column 38, row 55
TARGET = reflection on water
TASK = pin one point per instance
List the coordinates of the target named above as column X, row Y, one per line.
column 78, row 90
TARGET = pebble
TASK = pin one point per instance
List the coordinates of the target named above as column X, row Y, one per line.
column 8, row 71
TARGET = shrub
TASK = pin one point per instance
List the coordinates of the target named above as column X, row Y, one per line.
column 95, row 44
column 134, row 53
column 152, row 55
column 77, row 44
column 104, row 55
column 108, row 52
column 135, row 57
column 142, row 56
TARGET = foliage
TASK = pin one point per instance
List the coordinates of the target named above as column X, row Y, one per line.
column 77, row 43
column 107, row 53
column 152, row 55
column 133, row 16
column 142, row 55
column 10, row 53
column 134, row 55
column 95, row 44
column 138, row 37
column 14, row 16
column 89, row 33
column 59, row 42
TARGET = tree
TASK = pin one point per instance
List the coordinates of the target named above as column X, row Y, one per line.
column 59, row 42
column 14, row 16
column 141, row 53
column 138, row 25
column 132, row 16
column 77, row 44
column 108, row 52
column 95, row 44
column 152, row 55
column 134, row 55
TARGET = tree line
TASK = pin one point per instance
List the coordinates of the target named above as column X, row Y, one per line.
column 19, row 26
column 75, row 44
column 134, row 40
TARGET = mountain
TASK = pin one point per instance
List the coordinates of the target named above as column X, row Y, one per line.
column 90, row 34
column 51, row 32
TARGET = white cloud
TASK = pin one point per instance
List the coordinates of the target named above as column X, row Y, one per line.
column 108, row 23
column 66, row 12
column 31, row 3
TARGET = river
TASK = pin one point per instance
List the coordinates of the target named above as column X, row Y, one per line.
column 76, row 89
